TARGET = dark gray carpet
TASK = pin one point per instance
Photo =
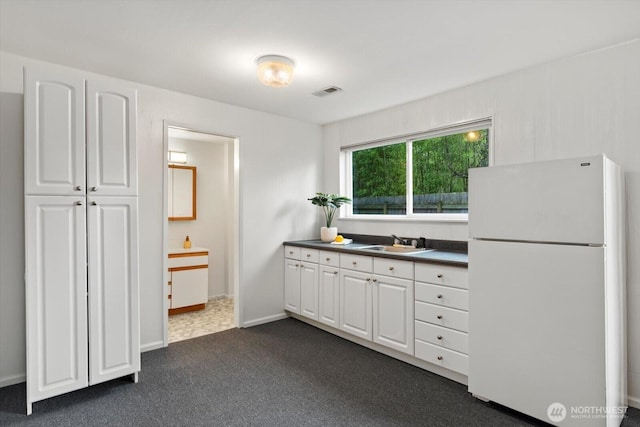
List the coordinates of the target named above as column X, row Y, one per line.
column 284, row 373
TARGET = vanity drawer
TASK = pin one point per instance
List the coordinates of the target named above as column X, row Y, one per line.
column 292, row 252
column 310, row 255
column 187, row 261
column 442, row 316
column 329, row 258
column 356, row 262
column 444, row 337
column 442, row 295
column 443, row 275
column 441, row 356
column 393, row 268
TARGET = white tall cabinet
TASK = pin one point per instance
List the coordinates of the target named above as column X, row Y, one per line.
column 81, row 232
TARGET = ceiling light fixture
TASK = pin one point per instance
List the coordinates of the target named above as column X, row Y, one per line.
column 275, row 70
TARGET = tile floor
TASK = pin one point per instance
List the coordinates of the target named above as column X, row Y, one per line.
column 216, row 317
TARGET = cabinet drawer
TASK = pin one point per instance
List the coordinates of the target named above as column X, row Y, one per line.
column 442, row 316
column 393, row 268
column 188, row 261
column 441, row 356
column 292, row 252
column 442, row 295
column 310, row 255
column 444, row 337
column 329, row 258
column 356, row 262
column 443, row 275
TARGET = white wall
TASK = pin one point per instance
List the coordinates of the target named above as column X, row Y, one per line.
column 210, row 228
column 579, row 106
column 273, row 194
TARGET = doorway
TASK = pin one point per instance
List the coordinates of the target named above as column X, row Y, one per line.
column 202, row 296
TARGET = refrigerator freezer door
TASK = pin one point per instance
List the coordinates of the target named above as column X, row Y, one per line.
column 536, row 326
column 555, row 201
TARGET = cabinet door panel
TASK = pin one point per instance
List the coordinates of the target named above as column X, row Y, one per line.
column 113, row 288
column 54, row 132
column 56, row 289
column 329, row 296
column 292, row 285
column 393, row 313
column 309, row 290
column 111, row 140
column 189, row 287
column 355, row 303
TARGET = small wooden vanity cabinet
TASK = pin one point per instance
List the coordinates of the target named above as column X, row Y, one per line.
column 188, row 279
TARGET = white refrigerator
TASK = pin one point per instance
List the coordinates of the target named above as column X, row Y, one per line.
column 547, row 310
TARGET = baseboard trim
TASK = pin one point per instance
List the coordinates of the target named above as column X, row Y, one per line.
column 634, row 402
column 262, row 320
column 13, row 379
column 151, row 346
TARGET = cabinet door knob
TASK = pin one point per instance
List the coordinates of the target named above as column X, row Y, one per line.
column 390, row 268
column 439, row 296
column 368, row 279
column 308, row 255
column 335, row 272
column 297, row 265
column 94, row 189
column 440, row 276
column 94, row 204
column 354, row 263
column 439, row 316
column 78, row 188
column 440, row 358
column 439, row 337
column 328, row 259
column 78, row 203
column 375, row 280
column 290, row 252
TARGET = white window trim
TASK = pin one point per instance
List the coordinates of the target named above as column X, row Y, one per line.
column 346, row 178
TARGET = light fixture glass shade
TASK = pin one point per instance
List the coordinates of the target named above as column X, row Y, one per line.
column 177, row 157
column 275, row 70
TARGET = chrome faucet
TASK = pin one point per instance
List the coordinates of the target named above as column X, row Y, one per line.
column 399, row 240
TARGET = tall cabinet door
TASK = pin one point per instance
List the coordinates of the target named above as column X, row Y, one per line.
column 113, row 288
column 329, row 296
column 292, row 285
column 111, row 140
column 309, row 290
column 54, row 132
column 56, row 296
column 393, row 319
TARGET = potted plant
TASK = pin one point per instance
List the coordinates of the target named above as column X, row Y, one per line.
column 329, row 204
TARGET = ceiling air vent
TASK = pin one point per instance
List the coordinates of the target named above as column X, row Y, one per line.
column 327, row 91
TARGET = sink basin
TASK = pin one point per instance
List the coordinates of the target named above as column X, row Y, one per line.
column 395, row 249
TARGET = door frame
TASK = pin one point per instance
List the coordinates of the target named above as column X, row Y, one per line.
column 233, row 248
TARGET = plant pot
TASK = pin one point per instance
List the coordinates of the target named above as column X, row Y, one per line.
column 328, row 234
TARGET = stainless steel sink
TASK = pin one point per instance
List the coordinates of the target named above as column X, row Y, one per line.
column 395, row 249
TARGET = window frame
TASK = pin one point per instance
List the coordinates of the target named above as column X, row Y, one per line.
column 346, row 178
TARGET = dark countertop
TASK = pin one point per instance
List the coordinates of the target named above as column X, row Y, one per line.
column 439, row 256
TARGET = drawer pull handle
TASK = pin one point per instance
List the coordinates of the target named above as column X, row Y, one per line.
column 368, row 279
column 375, row 280
column 439, row 296
column 440, row 358
column 439, row 316
column 290, row 252
column 308, row 255
column 335, row 272
column 328, row 259
column 390, row 268
column 297, row 265
column 354, row 263
column 439, row 337
column 440, row 276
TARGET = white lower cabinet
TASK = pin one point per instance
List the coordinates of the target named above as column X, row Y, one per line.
column 393, row 313
column 301, row 281
column 376, row 299
column 355, row 303
column 329, row 296
column 188, row 279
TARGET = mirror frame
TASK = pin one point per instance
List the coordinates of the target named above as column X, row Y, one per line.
column 193, row 196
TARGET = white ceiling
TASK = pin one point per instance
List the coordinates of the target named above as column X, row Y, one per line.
column 381, row 52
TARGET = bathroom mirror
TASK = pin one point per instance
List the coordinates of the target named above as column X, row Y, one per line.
column 182, row 193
